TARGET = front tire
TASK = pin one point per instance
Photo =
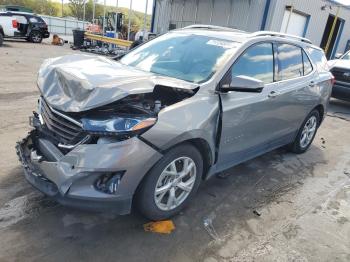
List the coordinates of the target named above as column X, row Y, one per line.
column 171, row 183
column 1, row 39
column 306, row 133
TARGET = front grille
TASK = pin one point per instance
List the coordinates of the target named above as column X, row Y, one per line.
column 339, row 74
column 63, row 128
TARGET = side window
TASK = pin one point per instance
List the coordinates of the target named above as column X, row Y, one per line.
column 290, row 61
column 21, row 19
column 318, row 58
column 307, row 64
column 256, row 62
column 33, row 20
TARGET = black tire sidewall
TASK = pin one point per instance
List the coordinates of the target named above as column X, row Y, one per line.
column 145, row 195
column 296, row 147
column 1, row 39
column 35, row 33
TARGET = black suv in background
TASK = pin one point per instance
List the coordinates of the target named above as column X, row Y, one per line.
column 30, row 26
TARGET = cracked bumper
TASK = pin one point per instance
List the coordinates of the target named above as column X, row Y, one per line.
column 70, row 180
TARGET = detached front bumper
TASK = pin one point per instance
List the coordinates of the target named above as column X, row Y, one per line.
column 70, row 179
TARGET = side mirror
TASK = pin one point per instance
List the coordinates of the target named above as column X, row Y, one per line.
column 244, row 84
column 338, row 55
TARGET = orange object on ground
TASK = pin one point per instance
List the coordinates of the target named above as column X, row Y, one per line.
column 162, row 227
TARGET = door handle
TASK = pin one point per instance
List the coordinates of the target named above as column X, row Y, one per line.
column 312, row 84
column 273, row 94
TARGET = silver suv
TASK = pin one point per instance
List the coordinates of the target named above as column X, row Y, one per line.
column 146, row 130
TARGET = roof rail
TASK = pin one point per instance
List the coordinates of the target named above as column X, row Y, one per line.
column 213, row 27
column 270, row 33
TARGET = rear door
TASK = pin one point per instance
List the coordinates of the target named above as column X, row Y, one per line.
column 296, row 78
column 22, row 24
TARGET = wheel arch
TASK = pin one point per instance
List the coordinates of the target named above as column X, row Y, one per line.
column 204, row 148
column 201, row 145
column 321, row 110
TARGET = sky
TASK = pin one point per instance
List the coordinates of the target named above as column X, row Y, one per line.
column 344, row 2
column 138, row 5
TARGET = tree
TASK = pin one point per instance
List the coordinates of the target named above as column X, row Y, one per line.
column 45, row 7
column 77, row 8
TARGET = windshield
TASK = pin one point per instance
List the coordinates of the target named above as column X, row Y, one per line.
column 193, row 58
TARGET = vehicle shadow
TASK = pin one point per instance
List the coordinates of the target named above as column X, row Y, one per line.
column 52, row 232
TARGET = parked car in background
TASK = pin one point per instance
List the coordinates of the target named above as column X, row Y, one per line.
column 340, row 68
column 149, row 128
column 8, row 27
column 29, row 26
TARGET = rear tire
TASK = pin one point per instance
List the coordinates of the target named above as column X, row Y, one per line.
column 166, row 189
column 36, row 37
column 306, row 133
column 1, row 39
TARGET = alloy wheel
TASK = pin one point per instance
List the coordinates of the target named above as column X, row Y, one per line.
column 36, row 37
column 175, row 183
column 308, row 132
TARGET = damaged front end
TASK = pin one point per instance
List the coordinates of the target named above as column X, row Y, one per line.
column 82, row 167
column 85, row 148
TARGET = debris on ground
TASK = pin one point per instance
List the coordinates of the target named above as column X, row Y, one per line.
column 208, row 225
column 256, row 213
column 211, row 194
column 56, row 40
column 223, row 175
column 162, row 227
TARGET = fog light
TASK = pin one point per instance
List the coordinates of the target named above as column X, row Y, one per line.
column 108, row 183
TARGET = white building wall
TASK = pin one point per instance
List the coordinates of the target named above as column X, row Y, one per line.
column 243, row 14
column 247, row 15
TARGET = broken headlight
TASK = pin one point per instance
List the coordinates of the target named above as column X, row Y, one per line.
column 117, row 125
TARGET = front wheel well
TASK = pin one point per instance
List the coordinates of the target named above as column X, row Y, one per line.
column 204, row 149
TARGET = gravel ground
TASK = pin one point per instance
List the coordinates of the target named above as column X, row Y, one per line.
column 278, row 207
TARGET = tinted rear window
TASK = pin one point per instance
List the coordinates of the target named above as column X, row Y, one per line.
column 36, row 19
column 318, row 58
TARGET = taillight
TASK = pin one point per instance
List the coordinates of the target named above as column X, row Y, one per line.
column 333, row 80
column 14, row 23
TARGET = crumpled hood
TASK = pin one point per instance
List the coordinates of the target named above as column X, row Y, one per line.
column 340, row 63
column 76, row 83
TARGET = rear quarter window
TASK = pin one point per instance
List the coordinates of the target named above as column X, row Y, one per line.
column 318, row 58
column 34, row 20
column 307, row 64
column 21, row 19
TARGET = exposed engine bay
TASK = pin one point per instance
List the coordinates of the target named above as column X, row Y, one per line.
column 113, row 122
column 147, row 104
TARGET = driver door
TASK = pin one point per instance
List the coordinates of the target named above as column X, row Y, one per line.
column 248, row 119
